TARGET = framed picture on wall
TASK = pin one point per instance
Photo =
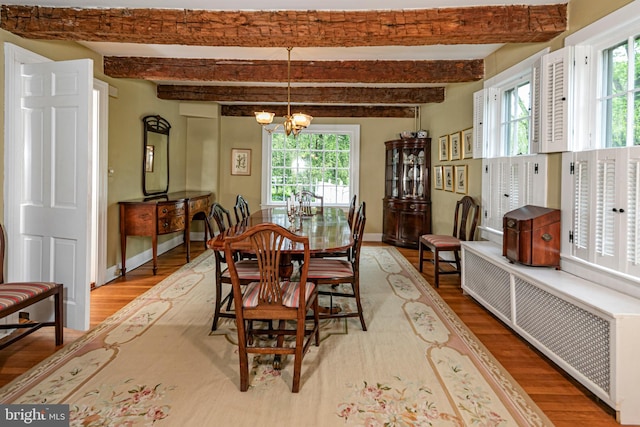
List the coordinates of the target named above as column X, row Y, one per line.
column 240, row 161
column 461, row 179
column 437, row 178
column 467, row 143
column 447, row 176
column 454, row 143
column 443, row 145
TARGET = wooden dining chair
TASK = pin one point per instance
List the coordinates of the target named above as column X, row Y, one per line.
column 336, row 271
column 247, row 269
column 309, row 198
column 352, row 210
column 241, row 209
column 17, row 296
column 273, row 298
column 464, row 227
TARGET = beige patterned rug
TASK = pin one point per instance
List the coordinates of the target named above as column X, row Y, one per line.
column 156, row 362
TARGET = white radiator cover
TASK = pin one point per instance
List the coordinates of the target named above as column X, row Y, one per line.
column 590, row 331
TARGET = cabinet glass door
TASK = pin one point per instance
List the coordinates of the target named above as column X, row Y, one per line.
column 413, row 170
column 392, row 186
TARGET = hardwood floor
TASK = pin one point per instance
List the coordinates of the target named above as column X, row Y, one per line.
column 564, row 401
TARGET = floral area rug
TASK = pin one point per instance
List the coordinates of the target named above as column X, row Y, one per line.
column 157, row 362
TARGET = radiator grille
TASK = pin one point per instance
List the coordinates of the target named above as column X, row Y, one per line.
column 577, row 336
column 488, row 281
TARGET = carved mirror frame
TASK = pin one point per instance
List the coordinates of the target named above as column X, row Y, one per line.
column 155, row 155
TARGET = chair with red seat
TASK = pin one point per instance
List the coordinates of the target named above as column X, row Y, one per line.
column 464, row 227
column 273, row 298
column 336, row 271
column 247, row 268
column 17, row 296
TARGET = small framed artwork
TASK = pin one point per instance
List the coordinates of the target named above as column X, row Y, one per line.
column 447, row 176
column 240, row 161
column 461, row 179
column 454, row 143
column 443, row 144
column 437, row 178
column 467, row 143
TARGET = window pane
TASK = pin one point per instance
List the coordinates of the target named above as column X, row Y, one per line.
column 636, row 121
column 617, row 121
column 524, row 101
column 617, row 69
column 318, row 162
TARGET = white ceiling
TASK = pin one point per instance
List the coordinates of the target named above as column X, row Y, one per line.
column 317, row 54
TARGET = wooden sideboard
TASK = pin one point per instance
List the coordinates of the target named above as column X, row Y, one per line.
column 164, row 214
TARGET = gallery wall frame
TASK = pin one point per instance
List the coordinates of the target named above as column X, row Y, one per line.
column 467, row 143
column 240, row 161
column 438, row 182
column 454, row 144
column 461, row 179
column 447, row 176
column 443, row 145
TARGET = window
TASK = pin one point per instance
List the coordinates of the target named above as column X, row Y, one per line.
column 512, row 177
column 516, row 118
column 620, row 98
column 601, row 177
column 322, row 159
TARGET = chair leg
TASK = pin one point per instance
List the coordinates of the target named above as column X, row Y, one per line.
column 218, row 303
column 356, row 292
column 420, row 255
column 297, row 361
column 436, row 267
column 59, row 316
column 243, row 357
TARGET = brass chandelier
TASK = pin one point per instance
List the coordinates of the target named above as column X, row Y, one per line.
column 292, row 123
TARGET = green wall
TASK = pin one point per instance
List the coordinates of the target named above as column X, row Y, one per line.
column 244, row 132
column 201, row 140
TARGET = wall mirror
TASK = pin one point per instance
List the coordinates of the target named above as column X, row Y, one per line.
column 155, row 155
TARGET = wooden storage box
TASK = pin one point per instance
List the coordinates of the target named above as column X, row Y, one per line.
column 532, row 236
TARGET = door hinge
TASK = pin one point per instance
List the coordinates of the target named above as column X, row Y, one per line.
column 570, row 236
column 572, row 168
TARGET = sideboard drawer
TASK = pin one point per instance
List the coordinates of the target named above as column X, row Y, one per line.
column 199, row 205
column 171, row 224
column 171, row 217
column 167, row 210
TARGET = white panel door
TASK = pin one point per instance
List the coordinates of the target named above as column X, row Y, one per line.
column 55, row 195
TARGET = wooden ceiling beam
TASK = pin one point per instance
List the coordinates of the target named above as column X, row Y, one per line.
column 321, row 111
column 189, row 69
column 315, row 28
column 303, row 95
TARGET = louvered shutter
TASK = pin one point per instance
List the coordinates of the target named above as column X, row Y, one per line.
column 554, row 101
column 581, row 202
column 632, row 209
column 605, row 203
column 479, row 107
column 513, row 201
column 535, row 107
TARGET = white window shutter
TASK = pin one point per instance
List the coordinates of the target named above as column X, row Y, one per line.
column 554, row 101
column 479, row 111
column 632, row 212
column 581, row 202
column 535, row 107
column 605, row 203
column 513, row 201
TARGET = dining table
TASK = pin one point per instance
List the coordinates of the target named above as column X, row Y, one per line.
column 327, row 228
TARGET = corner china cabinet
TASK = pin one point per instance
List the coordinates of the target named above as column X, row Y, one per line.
column 407, row 197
